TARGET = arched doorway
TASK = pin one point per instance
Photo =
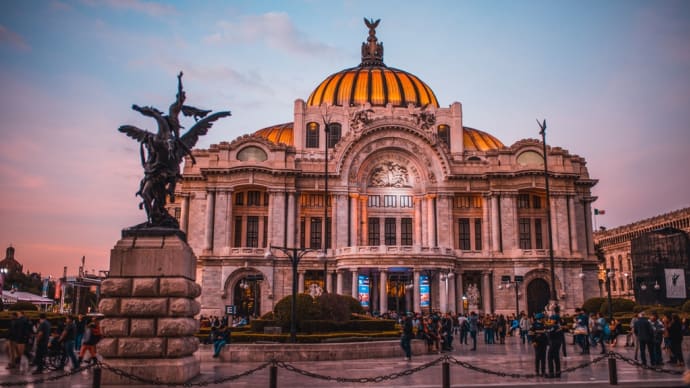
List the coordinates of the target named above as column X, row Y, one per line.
column 538, row 294
column 247, row 296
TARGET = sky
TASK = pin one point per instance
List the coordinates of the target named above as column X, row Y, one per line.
column 612, row 79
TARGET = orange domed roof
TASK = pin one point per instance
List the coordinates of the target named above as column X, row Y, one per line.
column 473, row 139
column 476, row 140
column 372, row 82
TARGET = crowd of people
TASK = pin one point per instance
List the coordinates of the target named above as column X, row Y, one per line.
column 545, row 332
column 70, row 339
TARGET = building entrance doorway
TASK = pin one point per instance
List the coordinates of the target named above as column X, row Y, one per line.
column 247, row 296
column 538, row 295
column 397, row 292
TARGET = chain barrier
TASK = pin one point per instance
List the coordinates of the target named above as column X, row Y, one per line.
column 376, row 379
column 46, row 379
column 644, row 366
column 222, row 380
column 469, row 366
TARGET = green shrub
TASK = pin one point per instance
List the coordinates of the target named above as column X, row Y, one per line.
column 618, row 305
column 334, row 307
column 22, row 306
column 686, row 306
column 258, row 325
column 593, row 305
column 307, row 309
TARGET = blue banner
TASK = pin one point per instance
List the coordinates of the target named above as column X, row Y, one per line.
column 363, row 290
column 424, row 290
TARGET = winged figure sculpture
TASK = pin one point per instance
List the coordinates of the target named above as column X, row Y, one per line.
column 162, row 152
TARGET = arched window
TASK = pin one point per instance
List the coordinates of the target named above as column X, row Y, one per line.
column 334, row 133
column 312, row 135
column 252, row 154
column 444, row 133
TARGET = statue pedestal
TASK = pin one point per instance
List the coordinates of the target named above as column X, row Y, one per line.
column 149, row 307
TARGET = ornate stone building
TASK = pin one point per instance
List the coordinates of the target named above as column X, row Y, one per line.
column 616, row 246
column 416, row 208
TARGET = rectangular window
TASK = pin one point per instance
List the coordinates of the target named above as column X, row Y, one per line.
column 315, row 233
column 302, row 232
column 389, row 231
column 478, row 234
column 312, row 135
column 238, row 232
column 239, row 199
column 462, row 202
column 538, row 241
column 264, row 241
column 178, row 213
column 464, row 232
column 523, row 201
column 334, row 130
column 253, row 198
column 524, row 233
column 536, row 202
column 374, row 231
column 406, row 231
column 266, row 199
column 311, row 200
column 252, row 231
column 328, row 233
column 389, row 201
column 406, row 201
column 374, row 201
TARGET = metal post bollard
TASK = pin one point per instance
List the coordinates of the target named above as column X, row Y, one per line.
column 446, row 374
column 273, row 376
column 613, row 372
column 97, row 377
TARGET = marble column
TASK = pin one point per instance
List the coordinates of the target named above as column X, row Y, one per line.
column 554, row 224
column 291, row 231
column 416, row 297
column 418, row 222
column 452, row 298
column 431, row 220
column 486, row 292
column 229, row 225
column 271, row 212
column 210, row 210
column 443, row 293
column 184, row 213
column 459, row 287
column 300, row 282
column 355, row 285
column 339, row 282
column 364, row 235
column 329, row 283
column 383, row 292
column 573, row 224
column 354, row 219
column 495, row 225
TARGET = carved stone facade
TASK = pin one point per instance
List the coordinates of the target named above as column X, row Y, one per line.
column 616, row 247
column 415, row 200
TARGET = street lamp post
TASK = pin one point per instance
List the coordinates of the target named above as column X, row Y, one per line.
column 554, row 294
column 609, row 275
column 295, row 255
column 326, row 128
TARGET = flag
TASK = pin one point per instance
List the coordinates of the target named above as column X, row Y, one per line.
column 599, row 212
column 58, row 287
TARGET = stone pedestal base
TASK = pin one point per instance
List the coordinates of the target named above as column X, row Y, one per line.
column 149, row 307
column 171, row 370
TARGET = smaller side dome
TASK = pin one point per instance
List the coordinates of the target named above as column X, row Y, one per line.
column 476, row 140
column 281, row 133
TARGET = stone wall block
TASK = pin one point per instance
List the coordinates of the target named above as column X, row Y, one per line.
column 181, row 307
column 142, row 328
column 107, row 347
column 116, row 287
column 115, row 327
column 144, row 307
column 145, row 287
column 177, row 327
column 196, row 307
column 180, row 347
column 197, row 290
column 109, row 306
column 141, row 347
column 177, row 287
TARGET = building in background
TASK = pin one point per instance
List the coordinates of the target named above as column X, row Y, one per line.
column 422, row 211
column 641, row 252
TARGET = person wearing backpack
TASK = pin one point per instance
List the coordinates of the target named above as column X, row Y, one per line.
column 91, row 337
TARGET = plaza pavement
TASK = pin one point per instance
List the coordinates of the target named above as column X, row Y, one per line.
column 511, row 358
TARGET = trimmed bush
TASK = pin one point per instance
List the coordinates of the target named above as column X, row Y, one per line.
column 686, row 306
column 593, row 305
column 618, row 305
column 307, row 309
column 258, row 325
column 22, row 306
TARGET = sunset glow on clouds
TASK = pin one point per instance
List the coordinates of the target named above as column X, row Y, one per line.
column 611, row 78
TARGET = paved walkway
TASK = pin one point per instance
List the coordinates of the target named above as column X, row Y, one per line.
column 512, row 358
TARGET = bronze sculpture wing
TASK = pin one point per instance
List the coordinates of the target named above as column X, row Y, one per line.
column 190, row 138
column 135, row 133
column 195, row 112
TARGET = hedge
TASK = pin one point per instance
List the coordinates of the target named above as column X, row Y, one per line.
column 593, row 305
column 618, row 305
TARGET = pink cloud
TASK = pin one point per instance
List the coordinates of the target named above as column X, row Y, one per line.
column 13, row 39
column 145, row 7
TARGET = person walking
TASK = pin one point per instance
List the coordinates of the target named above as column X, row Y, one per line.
column 67, row 338
column 41, row 340
column 555, row 335
column 406, row 337
column 464, row 328
column 525, row 325
column 474, row 327
column 92, row 335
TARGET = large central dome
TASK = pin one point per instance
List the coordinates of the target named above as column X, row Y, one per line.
column 372, row 82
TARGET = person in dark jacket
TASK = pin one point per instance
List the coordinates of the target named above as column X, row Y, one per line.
column 675, row 334
column 645, row 335
column 406, row 337
column 540, row 342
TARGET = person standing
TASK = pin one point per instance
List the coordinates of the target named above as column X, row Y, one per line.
column 555, row 335
column 12, row 335
column 525, row 325
column 658, row 338
column 80, row 323
column 474, row 327
column 675, row 336
column 644, row 331
column 540, row 341
column 42, row 338
column 406, row 337
column 464, row 328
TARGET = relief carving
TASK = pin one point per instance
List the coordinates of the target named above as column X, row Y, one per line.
column 390, row 174
column 424, row 119
column 361, row 118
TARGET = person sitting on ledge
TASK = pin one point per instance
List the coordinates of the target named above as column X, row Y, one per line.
column 222, row 338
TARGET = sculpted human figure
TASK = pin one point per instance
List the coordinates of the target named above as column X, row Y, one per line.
column 162, row 152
